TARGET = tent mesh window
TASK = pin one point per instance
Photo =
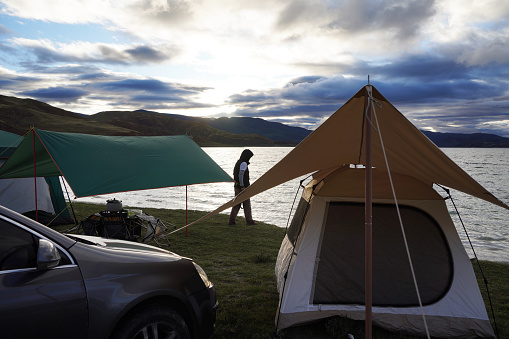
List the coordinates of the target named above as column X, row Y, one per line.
column 339, row 275
column 297, row 221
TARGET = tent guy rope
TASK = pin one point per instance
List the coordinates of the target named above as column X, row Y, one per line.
column 400, row 220
column 448, row 192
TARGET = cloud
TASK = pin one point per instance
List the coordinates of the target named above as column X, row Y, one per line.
column 251, row 36
column 453, row 102
column 162, row 13
column 150, row 85
column 140, row 18
column 395, row 21
column 15, row 81
column 493, row 50
column 441, row 64
column 94, row 76
column 146, row 54
column 45, row 51
column 425, row 67
column 65, row 69
column 56, row 94
column 4, row 30
column 136, row 84
column 152, row 93
column 91, row 89
column 305, row 79
column 62, row 11
column 301, row 91
column 151, row 98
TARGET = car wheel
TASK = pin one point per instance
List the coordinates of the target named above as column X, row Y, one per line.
column 154, row 322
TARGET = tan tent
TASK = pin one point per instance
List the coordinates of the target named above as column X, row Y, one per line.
column 320, row 265
column 335, row 150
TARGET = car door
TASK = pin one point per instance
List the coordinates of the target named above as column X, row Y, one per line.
column 38, row 303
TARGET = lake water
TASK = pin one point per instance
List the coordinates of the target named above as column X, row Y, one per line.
column 487, row 224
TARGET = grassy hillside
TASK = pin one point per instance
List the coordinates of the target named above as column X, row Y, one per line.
column 19, row 115
column 152, row 123
column 467, row 140
column 272, row 130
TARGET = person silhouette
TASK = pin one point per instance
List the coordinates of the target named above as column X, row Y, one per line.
column 241, row 178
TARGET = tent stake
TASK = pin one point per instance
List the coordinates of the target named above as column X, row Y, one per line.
column 368, row 241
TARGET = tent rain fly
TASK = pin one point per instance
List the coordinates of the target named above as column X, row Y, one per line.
column 340, row 139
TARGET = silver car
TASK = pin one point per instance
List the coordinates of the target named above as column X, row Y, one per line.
column 58, row 286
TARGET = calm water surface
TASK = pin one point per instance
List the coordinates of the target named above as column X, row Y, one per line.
column 487, row 224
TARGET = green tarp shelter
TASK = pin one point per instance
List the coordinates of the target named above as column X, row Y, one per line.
column 97, row 164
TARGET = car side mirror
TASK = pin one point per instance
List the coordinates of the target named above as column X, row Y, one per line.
column 47, row 255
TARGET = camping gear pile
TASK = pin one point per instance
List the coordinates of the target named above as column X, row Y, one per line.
column 126, row 224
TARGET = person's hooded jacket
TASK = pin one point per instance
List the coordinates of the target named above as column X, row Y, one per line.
column 240, row 171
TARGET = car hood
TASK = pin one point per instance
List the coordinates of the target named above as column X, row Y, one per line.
column 119, row 244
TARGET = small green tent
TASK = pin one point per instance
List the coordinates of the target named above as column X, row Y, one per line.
column 18, row 194
column 97, row 164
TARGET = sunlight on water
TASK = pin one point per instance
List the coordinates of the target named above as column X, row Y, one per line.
column 487, row 224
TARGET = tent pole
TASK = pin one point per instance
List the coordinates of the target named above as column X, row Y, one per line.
column 368, row 218
column 35, row 176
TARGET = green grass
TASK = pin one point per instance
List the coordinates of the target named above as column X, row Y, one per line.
column 240, row 261
column 497, row 276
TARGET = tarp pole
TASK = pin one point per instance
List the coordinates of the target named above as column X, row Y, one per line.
column 35, row 177
column 368, row 218
column 186, row 210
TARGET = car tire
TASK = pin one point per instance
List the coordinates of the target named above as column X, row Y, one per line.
column 153, row 322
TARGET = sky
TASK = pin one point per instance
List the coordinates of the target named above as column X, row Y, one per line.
column 443, row 63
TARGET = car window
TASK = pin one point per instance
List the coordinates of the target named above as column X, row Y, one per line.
column 18, row 248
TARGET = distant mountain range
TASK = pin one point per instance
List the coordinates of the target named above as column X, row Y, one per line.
column 474, row 140
column 18, row 115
